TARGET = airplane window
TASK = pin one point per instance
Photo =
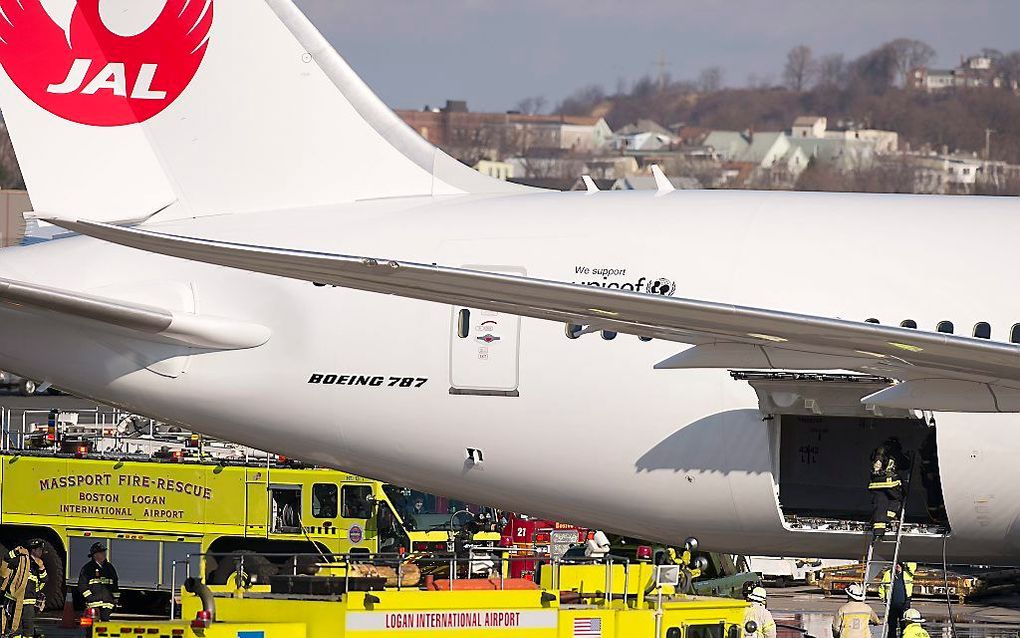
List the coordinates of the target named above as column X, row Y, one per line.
column 945, row 326
column 608, row 335
column 872, row 320
column 908, row 323
column 1014, row 334
column 463, row 323
column 982, row 330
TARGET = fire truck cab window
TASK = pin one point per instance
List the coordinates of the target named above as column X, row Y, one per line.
column 945, row 326
column 357, row 501
column 324, row 500
column 705, row 631
column 982, row 330
column 1014, row 334
column 286, row 505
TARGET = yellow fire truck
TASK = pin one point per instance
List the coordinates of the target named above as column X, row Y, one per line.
column 165, row 519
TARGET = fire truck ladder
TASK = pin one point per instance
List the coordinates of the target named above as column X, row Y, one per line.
column 871, row 559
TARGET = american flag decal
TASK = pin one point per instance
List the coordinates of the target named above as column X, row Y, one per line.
column 588, row 627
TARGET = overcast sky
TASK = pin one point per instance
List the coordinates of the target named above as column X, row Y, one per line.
column 417, row 52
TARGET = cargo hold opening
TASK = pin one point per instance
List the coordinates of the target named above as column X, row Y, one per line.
column 823, row 438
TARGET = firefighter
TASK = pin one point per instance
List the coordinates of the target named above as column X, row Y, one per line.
column 854, row 618
column 759, row 613
column 912, row 625
column 886, row 486
column 898, row 590
column 98, row 583
column 23, row 589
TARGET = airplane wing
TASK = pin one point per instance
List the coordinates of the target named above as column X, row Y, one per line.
column 936, row 371
column 147, row 322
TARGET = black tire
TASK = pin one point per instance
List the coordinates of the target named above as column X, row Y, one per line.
column 211, row 563
column 55, row 589
column 256, row 566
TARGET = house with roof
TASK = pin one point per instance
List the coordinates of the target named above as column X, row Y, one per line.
column 640, row 182
column 642, row 135
column 464, row 133
column 771, row 150
column 781, row 153
column 975, row 71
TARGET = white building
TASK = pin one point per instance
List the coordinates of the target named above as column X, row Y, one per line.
column 809, row 126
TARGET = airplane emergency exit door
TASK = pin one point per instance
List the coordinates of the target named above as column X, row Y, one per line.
column 485, row 347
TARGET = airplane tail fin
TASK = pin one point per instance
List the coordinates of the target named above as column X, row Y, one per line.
column 200, row 107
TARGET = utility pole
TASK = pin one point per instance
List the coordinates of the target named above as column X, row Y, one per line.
column 662, row 63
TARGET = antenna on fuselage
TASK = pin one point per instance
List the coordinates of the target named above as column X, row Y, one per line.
column 662, row 183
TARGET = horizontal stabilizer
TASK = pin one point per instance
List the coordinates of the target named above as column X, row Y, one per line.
column 149, row 322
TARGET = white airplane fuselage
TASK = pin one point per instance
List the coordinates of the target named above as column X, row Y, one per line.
column 594, row 435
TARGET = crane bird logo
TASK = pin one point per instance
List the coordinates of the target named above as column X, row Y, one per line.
column 93, row 76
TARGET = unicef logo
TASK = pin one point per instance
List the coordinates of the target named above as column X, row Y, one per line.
column 661, row 286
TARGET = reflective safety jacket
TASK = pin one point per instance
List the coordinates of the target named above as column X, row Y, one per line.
column 914, row 630
column 35, row 577
column 885, row 469
column 853, row 620
column 763, row 618
column 98, row 585
column 908, row 581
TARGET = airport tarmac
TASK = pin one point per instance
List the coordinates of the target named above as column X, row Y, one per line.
column 992, row 617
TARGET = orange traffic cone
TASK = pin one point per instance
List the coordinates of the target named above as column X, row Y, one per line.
column 70, row 618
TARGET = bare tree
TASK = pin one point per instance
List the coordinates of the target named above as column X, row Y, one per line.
column 534, row 105
column 874, row 72
column 582, row 101
column 910, row 54
column 710, row 79
column 1009, row 67
column 831, row 70
column 800, row 67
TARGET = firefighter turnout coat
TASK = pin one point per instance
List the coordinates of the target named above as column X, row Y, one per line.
column 853, row 620
column 98, row 585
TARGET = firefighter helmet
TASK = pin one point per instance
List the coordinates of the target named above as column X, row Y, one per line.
column 855, row 592
column 758, row 595
column 96, row 548
column 912, row 616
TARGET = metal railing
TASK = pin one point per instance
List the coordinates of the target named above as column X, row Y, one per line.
column 97, row 429
column 455, row 565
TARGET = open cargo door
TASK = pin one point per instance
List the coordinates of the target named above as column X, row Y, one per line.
column 823, row 437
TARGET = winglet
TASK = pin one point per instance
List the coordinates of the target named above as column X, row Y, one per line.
column 662, row 183
column 589, row 184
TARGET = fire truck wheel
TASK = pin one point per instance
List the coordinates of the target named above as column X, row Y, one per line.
column 256, row 566
column 54, row 591
column 210, row 568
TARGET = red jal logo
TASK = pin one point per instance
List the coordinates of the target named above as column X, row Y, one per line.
column 91, row 75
